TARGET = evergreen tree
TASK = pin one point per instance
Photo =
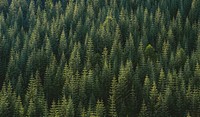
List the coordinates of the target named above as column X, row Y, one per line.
column 58, row 58
column 31, row 109
column 112, row 98
column 70, row 108
column 19, row 109
column 100, row 109
column 53, row 110
column 153, row 98
column 143, row 111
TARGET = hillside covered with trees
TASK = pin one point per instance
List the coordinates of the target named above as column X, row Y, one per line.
column 100, row 58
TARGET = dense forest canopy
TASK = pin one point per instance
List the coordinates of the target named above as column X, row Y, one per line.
column 100, row 58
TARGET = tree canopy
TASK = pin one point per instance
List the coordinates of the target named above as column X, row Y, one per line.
column 100, row 58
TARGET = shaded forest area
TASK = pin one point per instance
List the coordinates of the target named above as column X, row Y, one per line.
column 100, row 58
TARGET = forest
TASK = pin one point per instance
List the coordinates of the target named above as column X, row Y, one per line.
column 99, row 58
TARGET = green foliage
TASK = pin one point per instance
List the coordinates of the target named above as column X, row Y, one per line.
column 100, row 109
column 143, row 111
column 112, row 98
column 150, row 52
column 99, row 58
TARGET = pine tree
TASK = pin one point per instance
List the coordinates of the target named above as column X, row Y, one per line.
column 129, row 48
column 100, row 109
column 89, row 53
column 153, row 98
column 31, row 109
column 106, row 77
column 74, row 61
column 4, row 101
column 70, row 108
column 146, row 89
column 161, row 107
column 165, row 54
column 112, row 98
column 143, row 111
column 58, row 84
column 67, row 73
column 162, row 81
column 112, row 109
column 19, row 109
column 34, row 98
column 180, row 58
column 62, row 44
column 19, row 86
column 63, row 109
column 74, row 86
column 53, row 110
column 196, row 75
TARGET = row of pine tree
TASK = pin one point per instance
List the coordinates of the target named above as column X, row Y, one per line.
column 100, row 58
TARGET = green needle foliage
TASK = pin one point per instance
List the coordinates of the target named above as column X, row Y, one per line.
column 100, row 58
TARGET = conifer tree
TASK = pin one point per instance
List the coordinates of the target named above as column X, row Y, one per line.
column 53, row 110
column 153, row 98
column 143, row 111
column 70, row 108
column 99, row 58
column 19, row 109
column 100, row 109
column 112, row 98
